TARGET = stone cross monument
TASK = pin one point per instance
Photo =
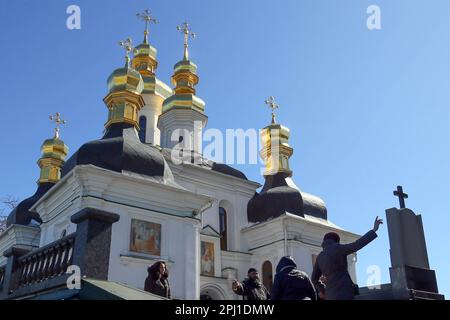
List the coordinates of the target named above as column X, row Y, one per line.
column 410, row 270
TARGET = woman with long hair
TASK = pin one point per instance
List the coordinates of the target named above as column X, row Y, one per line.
column 157, row 280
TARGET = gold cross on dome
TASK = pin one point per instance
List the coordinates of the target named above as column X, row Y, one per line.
column 147, row 17
column 58, row 122
column 184, row 29
column 272, row 105
column 127, row 44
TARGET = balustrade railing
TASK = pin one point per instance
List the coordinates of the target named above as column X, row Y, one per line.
column 47, row 262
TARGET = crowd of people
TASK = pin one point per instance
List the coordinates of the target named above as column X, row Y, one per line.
column 330, row 279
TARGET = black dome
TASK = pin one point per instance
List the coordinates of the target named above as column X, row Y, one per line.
column 278, row 196
column 121, row 150
column 226, row 169
column 22, row 214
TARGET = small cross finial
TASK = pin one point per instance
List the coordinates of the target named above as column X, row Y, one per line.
column 128, row 46
column 401, row 196
column 58, row 122
column 272, row 105
column 147, row 17
column 184, row 29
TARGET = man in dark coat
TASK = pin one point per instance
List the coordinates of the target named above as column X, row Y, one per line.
column 291, row 283
column 251, row 288
column 332, row 264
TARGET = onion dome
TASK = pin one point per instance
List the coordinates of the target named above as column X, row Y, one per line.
column 124, row 99
column 279, row 194
column 120, row 149
column 145, row 62
column 185, row 79
column 54, row 152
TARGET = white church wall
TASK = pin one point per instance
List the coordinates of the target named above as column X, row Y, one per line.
column 25, row 237
column 231, row 192
column 133, row 197
column 179, row 249
column 303, row 240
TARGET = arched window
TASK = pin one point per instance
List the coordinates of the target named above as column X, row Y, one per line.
column 223, row 228
column 267, row 275
column 142, row 128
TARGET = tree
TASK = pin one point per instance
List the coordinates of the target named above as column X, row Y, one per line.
column 6, row 203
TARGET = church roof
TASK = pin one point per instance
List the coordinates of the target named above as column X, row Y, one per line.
column 21, row 214
column 208, row 164
column 280, row 195
column 121, row 150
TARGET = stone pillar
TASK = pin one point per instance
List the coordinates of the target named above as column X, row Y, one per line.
column 93, row 242
column 192, row 262
column 410, row 268
column 9, row 282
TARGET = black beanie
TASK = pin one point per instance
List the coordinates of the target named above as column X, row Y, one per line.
column 332, row 236
column 251, row 270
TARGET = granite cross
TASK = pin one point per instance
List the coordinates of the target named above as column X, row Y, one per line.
column 401, row 196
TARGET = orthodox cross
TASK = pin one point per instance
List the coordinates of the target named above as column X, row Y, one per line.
column 184, row 29
column 401, row 196
column 128, row 46
column 272, row 105
column 58, row 122
column 147, row 17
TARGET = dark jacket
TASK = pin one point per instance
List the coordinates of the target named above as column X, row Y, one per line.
column 291, row 283
column 159, row 287
column 253, row 290
column 332, row 263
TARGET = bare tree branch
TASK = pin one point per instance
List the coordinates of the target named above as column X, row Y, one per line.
column 9, row 201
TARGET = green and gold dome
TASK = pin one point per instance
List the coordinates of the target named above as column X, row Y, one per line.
column 144, row 61
column 54, row 152
column 184, row 80
column 125, row 86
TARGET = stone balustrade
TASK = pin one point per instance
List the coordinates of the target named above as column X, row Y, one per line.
column 45, row 263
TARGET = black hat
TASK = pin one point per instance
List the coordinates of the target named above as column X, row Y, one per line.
column 251, row 270
column 332, row 236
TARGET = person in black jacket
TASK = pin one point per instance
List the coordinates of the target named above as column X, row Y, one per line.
column 251, row 288
column 291, row 283
column 331, row 264
column 157, row 281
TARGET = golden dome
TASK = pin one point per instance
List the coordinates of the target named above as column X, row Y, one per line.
column 125, row 79
column 54, row 152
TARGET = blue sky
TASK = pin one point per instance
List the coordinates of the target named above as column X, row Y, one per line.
column 368, row 110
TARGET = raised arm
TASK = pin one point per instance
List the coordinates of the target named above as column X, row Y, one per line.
column 363, row 241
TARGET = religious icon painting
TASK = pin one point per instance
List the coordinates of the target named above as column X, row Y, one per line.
column 145, row 237
column 207, row 260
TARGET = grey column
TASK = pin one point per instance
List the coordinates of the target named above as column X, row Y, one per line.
column 93, row 242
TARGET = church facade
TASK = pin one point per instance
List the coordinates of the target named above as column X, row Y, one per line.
column 127, row 200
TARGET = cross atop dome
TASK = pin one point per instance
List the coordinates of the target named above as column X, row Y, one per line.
column 272, row 105
column 127, row 45
column 147, row 17
column 187, row 32
column 58, row 122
